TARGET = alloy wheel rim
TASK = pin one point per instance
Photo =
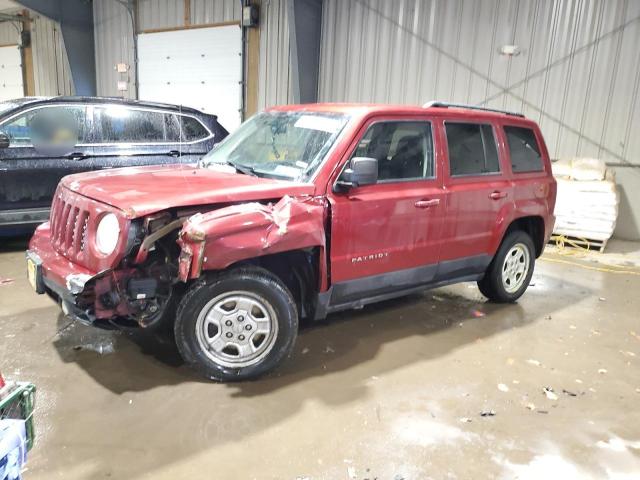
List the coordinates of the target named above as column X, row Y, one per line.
column 237, row 329
column 515, row 267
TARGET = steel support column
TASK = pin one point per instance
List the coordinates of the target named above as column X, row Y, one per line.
column 305, row 27
column 76, row 22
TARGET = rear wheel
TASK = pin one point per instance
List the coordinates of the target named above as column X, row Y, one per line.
column 510, row 271
column 237, row 325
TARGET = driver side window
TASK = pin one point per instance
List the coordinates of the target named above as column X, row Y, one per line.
column 404, row 150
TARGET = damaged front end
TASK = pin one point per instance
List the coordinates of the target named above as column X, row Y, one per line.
column 166, row 250
column 220, row 238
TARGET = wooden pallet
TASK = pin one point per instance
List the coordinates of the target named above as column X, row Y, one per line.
column 578, row 242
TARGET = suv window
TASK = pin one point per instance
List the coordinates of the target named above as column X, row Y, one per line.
column 524, row 150
column 192, row 129
column 472, row 149
column 59, row 125
column 404, row 150
column 126, row 125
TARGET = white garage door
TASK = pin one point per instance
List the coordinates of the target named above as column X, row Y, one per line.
column 10, row 73
column 199, row 68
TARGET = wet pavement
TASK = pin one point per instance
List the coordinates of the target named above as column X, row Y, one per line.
column 436, row 385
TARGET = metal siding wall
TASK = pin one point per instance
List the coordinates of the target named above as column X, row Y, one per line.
column 113, row 44
column 8, row 34
column 275, row 55
column 578, row 72
column 51, row 70
column 215, row 11
column 160, row 14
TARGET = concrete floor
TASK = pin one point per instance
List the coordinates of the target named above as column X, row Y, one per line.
column 394, row 391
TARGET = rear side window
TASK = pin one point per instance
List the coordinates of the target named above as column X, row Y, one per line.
column 472, row 149
column 524, row 150
column 404, row 150
column 125, row 125
column 192, row 129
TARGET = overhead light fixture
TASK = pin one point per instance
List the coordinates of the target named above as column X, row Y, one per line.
column 509, row 50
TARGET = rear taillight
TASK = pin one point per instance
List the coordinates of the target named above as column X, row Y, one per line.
column 2, row 384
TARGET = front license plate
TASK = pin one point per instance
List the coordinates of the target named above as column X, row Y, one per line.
column 34, row 273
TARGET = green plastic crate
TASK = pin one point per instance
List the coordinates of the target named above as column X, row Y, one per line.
column 18, row 403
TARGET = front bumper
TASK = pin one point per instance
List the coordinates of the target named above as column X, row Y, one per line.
column 58, row 277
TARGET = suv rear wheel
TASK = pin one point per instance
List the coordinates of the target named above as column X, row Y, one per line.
column 237, row 325
column 510, row 271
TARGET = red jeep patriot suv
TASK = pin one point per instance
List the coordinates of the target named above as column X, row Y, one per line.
column 303, row 211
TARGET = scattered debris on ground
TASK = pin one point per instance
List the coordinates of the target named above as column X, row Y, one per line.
column 102, row 348
column 488, row 413
column 550, row 394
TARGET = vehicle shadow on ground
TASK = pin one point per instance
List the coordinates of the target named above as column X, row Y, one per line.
column 443, row 320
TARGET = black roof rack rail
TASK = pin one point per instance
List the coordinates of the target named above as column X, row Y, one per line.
column 437, row 104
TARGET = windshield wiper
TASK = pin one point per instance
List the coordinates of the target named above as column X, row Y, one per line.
column 245, row 169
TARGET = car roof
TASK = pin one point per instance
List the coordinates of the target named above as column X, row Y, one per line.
column 102, row 100
column 363, row 109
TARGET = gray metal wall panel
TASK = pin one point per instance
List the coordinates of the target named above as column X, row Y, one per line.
column 114, row 44
column 576, row 74
column 215, row 11
column 274, row 80
column 160, row 14
column 8, row 34
column 51, row 71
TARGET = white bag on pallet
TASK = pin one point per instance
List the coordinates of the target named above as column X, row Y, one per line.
column 587, row 201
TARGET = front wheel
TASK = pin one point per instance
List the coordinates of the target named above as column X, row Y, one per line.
column 237, row 325
column 510, row 271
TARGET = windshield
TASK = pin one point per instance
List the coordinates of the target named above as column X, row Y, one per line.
column 288, row 145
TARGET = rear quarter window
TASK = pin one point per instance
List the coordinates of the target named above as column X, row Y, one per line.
column 524, row 150
column 193, row 130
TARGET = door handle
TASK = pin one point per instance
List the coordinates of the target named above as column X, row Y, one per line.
column 427, row 203
column 77, row 156
column 173, row 153
column 497, row 195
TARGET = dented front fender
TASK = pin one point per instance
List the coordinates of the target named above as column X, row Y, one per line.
column 217, row 239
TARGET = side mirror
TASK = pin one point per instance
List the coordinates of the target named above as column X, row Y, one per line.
column 5, row 141
column 362, row 171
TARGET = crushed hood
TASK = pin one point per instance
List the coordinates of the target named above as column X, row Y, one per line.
column 140, row 191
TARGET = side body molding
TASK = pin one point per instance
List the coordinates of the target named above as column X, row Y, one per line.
column 217, row 239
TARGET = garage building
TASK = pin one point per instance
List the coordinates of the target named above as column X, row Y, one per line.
column 365, row 399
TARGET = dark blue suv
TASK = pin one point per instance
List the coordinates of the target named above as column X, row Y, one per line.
column 44, row 139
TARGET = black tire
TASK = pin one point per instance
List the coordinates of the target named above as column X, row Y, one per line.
column 268, row 289
column 492, row 285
